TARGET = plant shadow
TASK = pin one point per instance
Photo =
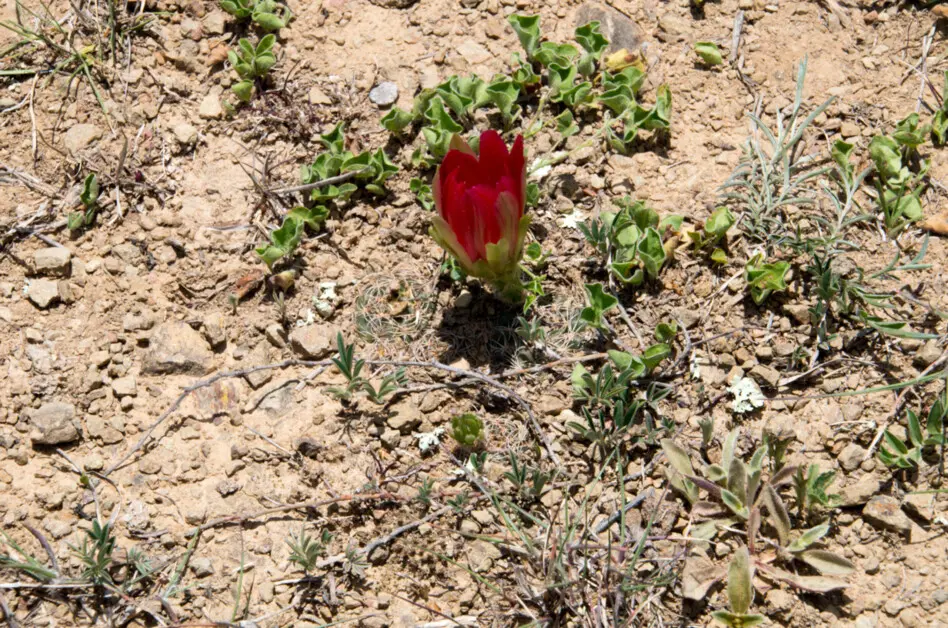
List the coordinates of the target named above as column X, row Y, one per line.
column 481, row 333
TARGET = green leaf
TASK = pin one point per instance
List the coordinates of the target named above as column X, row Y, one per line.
column 600, row 302
column 678, row 457
column 503, row 93
column 311, row 217
column 397, row 120
column 842, row 155
column 915, row 430
column 283, row 241
column 243, row 90
column 887, row 156
column 666, row 332
column 90, row 192
column 565, row 124
column 737, row 620
column 718, row 223
column 809, row 537
column 528, row 31
column 897, row 329
column 651, row 252
column 654, row 355
column 908, row 133
column 779, row 517
column 718, row 256
column 740, row 590
column 268, row 21
column 75, row 221
column 709, row 53
column 827, row 563
column 764, row 279
column 591, row 39
column 734, row 503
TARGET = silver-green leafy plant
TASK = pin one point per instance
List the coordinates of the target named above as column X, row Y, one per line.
column 267, row 14
column 773, row 175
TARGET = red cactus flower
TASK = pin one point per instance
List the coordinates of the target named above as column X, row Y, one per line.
column 480, row 202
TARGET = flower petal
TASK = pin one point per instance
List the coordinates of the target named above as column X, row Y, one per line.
column 493, row 158
column 517, row 168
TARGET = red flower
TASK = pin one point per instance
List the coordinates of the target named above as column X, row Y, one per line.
column 480, row 202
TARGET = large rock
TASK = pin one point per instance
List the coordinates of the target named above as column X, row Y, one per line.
column 314, row 342
column 617, row 28
column 176, row 348
column 53, row 424
column 54, row 260
column 885, row 512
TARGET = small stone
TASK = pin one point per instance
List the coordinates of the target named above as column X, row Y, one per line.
column 308, row 447
column 54, row 260
column 57, row 528
column 276, row 335
column 201, row 567
column 464, row 300
column 196, row 514
column 214, row 330
column 314, row 342
column 384, row 94
column 43, row 293
column 210, row 108
column 81, row 136
column 920, row 505
column 851, row 457
column 768, row 374
column 125, row 386
column 473, row 52
column 849, row 129
column 391, row 439
column 860, row 492
column 927, row 354
column 234, row 466
column 258, row 357
column 318, row 97
column 215, row 22
column 227, row 487
column 53, row 424
column 406, row 417
column 884, row 512
column 689, row 317
column 185, row 133
column 176, row 348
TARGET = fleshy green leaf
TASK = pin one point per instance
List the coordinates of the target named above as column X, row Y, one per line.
column 528, row 31
column 600, row 302
column 397, row 120
column 740, row 591
column 709, row 53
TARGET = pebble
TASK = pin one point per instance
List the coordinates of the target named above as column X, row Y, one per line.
column 860, row 492
column 214, row 330
column 384, row 94
column 176, row 348
column 405, row 418
column 318, row 97
column 53, row 424
column 210, row 109
column 851, row 457
column 185, row 133
column 202, row 567
column 81, row 136
column 473, row 52
column 885, row 512
column 276, row 335
column 313, row 342
column 54, row 260
column 927, row 354
column 215, row 22
column 125, row 386
column 43, row 293
column 463, row 300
